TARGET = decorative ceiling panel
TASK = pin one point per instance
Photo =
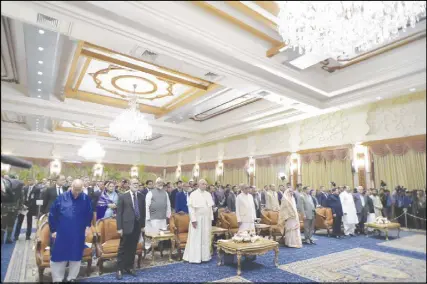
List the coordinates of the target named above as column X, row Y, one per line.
column 9, row 71
column 12, row 117
column 102, row 76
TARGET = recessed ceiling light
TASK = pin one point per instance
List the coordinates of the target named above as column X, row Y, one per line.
column 39, row 90
column 41, row 32
column 173, row 121
column 40, row 62
column 39, row 96
column 412, row 89
column 39, row 82
column 379, row 98
column 40, row 73
column 41, row 48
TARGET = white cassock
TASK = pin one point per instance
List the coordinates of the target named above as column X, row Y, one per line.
column 245, row 212
column 198, row 247
column 349, row 218
column 154, row 226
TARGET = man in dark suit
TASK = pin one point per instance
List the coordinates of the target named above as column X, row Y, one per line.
column 93, row 195
column 130, row 219
column 334, row 202
column 361, row 203
column 31, row 194
column 51, row 193
column 322, row 196
column 231, row 199
column 172, row 195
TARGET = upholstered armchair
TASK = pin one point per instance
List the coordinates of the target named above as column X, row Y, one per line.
column 108, row 241
column 324, row 219
column 178, row 225
column 43, row 249
column 271, row 218
column 228, row 220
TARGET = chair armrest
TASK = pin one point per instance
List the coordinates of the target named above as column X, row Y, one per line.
column 324, row 217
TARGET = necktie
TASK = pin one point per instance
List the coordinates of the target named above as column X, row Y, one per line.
column 135, row 206
column 58, row 189
column 29, row 192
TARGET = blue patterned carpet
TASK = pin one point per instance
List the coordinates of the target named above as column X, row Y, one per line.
column 263, row 269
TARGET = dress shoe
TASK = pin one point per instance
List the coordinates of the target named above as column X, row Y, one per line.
column 312, row 242
column 119, row 275
column 307, row 242
column 351, row 235
column 131, row 272
column 28, row 238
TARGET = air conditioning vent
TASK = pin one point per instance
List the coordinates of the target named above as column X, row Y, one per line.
column 47, row 21
column 211, row 76
column 263, row 93
column 295, row 104
column 149, row 55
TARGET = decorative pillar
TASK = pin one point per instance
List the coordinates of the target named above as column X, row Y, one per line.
column 361, row 164
column 294, row 169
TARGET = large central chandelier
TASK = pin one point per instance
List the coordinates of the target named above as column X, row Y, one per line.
column 343, row 28
column 131, row 126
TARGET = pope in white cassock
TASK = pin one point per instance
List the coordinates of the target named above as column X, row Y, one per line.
column 245, row 210
column 200, row 204
column 349, row 218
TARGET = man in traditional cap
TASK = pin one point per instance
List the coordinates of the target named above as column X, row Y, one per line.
column 200, row 204
column 158, row 209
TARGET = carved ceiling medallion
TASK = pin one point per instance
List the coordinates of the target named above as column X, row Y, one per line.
column 118, row 81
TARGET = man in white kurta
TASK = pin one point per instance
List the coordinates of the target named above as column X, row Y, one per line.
column 158, row 210
column 245, row 209
column 198, row 247
column 349, row 218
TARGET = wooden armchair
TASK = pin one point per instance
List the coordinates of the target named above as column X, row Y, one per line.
column 43, row 249
column 271, row 218
column 108, row 241
column 228, row 220
column 178, row 225
column 324, row 219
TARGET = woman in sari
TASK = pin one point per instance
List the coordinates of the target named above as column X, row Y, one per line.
column 289, row 221
column 107, row 202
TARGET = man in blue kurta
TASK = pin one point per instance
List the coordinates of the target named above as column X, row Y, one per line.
column 69, row 222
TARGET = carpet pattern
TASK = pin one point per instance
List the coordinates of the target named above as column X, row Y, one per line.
column 22, row 265
column 412, row 243
column 359, row 265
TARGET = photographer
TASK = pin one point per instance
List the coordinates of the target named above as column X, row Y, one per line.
column 11, row 203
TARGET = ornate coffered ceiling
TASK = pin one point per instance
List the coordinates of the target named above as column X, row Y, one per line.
column 204, row 70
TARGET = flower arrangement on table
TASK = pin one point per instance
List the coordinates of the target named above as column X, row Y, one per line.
column 381, row 220
column 245, row 237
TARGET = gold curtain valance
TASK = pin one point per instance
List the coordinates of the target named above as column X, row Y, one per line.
column 278, row 159
column 399, row 148
column 329, row 155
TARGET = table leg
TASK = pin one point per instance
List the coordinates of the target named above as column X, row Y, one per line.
column 386, row 234
column 276, row 256
column 239, row 257
column 172, row 249
column 219, row 256
column 212, row 243
column 153, row 248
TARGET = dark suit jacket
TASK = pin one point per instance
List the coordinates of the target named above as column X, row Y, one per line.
column 334, row 203
column 231, row 202
column 49, row 196
column 321, row 197
column 126, row 214
column 358, row 203
column 30, row 200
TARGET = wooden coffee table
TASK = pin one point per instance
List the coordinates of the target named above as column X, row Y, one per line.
column 259, row 247
column 216, row 231
column 156, row 238
column 384, row 228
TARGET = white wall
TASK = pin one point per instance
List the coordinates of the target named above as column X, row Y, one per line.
column 393, row 118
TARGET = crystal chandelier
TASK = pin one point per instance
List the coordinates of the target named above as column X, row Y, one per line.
column 342, row 28
column 130, row 126
column 91, row 150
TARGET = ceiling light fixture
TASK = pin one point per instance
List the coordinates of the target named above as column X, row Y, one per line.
column 91, row 150
column 41, row 32
column 39, row 96
column 412, row 89
column 40, row 73
column 39, row 90
column 41, row 48
column 40, row 62
column 39, row 82
column 130, row 126
column 344, row 27
column 379, row 98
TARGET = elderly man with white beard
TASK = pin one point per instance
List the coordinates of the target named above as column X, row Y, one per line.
column 245, row 209
column 349, row 218
column 200, row 205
